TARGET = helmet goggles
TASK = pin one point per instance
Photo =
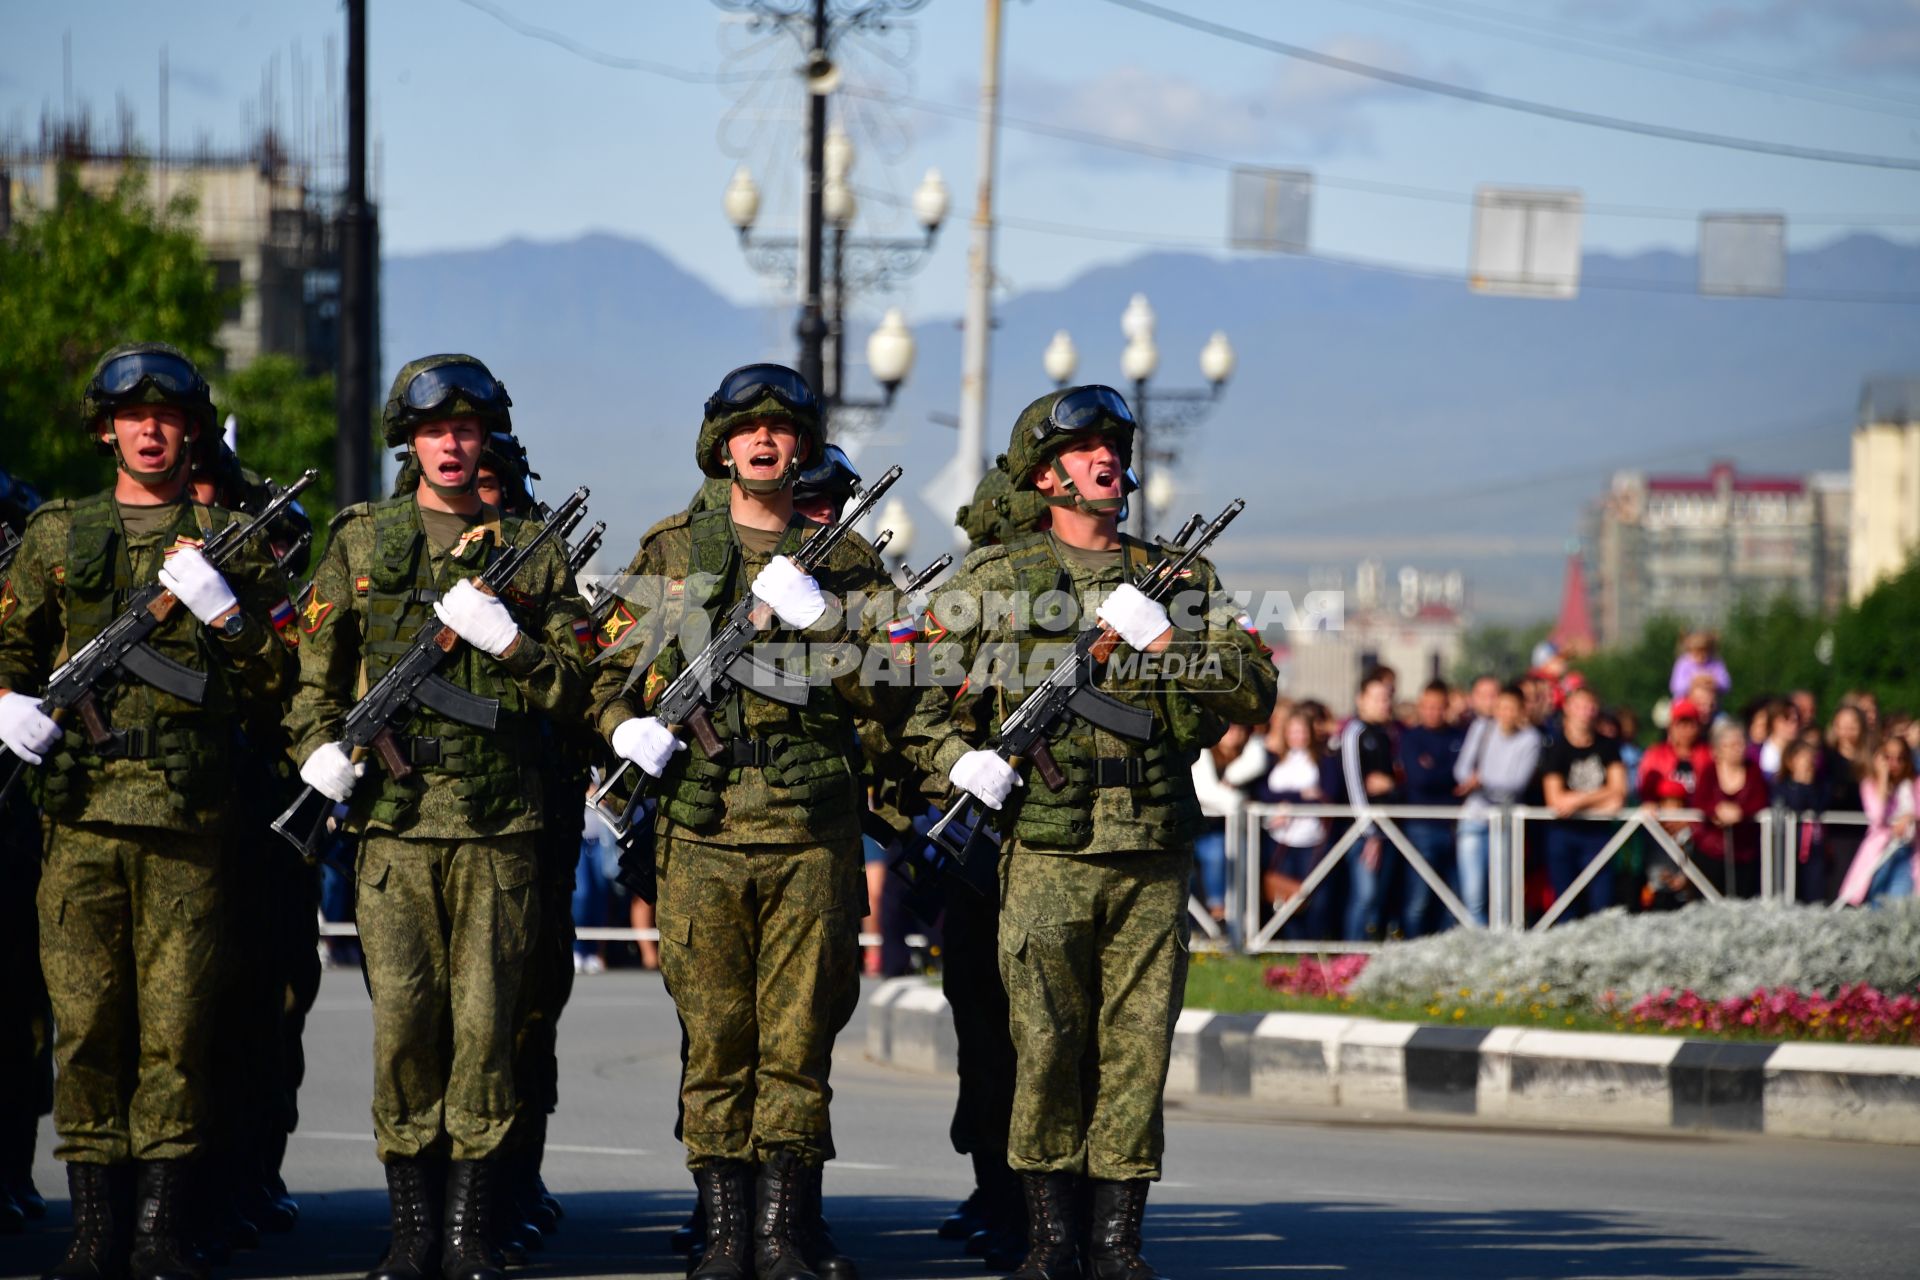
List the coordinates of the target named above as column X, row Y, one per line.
column 748, row 385
column 125, row 376
column 435, row 387
column 1084, row 410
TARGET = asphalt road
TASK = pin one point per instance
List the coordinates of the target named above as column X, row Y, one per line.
column 1248, row 1191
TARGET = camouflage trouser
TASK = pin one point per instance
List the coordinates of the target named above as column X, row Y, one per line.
column 129, row 941
column 545, row 988
column 1094, row 953
column 445, row 926
column 760, row 948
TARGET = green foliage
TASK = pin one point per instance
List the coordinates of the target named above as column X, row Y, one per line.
column 1874, row 643
column 1499, row 651
column 286, row 421
column 96, row 269
column 1773, row 649
column 1636, row 676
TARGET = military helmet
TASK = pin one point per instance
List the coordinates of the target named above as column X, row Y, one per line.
column 147, row 373
column 434, row 388
column 506, row 457
column 998, row 511
column 832, row 476
column 758, row 391
column 1061, row 418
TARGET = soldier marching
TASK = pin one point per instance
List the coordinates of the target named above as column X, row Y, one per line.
column 754, row 697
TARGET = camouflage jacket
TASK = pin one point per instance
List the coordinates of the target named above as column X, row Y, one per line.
column 484, row 783
column 69, row 580
column 809, row 790
column 1010, row 612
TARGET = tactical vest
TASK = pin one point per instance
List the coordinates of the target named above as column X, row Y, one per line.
column 1155, row 773
column 805, row 753
column 488, row 770
column 185, row 742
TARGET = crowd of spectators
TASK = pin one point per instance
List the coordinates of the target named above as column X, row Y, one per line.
column 1448, row 762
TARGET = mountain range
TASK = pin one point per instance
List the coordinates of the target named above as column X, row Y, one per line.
column 1373, row 413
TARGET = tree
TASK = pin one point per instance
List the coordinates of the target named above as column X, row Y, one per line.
column 285, row 424
column 1636, row 675
column 96, row 269
column 1874, row 646
column 1499, row 651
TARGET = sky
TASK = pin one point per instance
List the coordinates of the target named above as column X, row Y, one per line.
column 484, row 132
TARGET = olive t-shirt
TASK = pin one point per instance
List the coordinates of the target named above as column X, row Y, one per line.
column 443, row 528
column 144, row 522
column 1084, row 558
column 758, row 542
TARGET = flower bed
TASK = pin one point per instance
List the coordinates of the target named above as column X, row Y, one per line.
column 1726, row 969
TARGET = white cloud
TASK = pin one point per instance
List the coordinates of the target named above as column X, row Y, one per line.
column 1303, row 110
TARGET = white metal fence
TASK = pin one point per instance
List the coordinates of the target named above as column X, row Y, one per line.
column 1252, row 929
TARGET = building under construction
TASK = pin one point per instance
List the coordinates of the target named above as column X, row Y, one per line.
column 267, row 225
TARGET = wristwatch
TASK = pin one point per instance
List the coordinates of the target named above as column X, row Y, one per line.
column 231, row 628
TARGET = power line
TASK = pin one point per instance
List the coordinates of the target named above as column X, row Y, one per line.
column 1480, row 97
column 1226, row 164
column 1545, row 33
column 1654, row 47
column 617, row 62
column 1156, row 240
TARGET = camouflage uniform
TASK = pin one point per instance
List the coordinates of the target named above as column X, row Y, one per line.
column 1093, row 926
column 446, row 904
column 271, row 905
column 761, row 889
column 130, row 885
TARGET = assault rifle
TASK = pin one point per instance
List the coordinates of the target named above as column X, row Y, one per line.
column 121, row 651
column 725, row 665
column 637, row 870
column 413, row 682
column 9, row 547
column 1072, row 689
column 580, row 552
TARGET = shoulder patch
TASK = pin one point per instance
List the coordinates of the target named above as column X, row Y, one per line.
column 8, row 601
column 314, row 611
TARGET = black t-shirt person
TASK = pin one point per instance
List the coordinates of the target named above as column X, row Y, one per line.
column 1580, row 768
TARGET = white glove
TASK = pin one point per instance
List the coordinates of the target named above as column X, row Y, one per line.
column 478, row 618
column 646, row 742
column 1139, row 621
column 332, row 772
column 192, row 577
column 25, row 728
column 793, row 595
column 985, row 776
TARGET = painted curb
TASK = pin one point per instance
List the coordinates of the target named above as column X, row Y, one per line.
column 1863, row 1093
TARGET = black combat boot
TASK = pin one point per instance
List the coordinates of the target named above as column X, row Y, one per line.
column 268, row 1202
column 416, row 1222
column 161, row 1217
column 1052, row 1249
column 99, row 1249
column 780, row 1220
column 1113, row 1233
column 726, row 1206
column 537, row 1204
column 967, row 1219
column 688, row 1237
column 466, row 1252
column 822, row 1254
column 1006, row 1218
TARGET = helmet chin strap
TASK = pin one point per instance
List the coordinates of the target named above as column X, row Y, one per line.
column 783, row 481
column 1072, row 497
column 180, row 461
